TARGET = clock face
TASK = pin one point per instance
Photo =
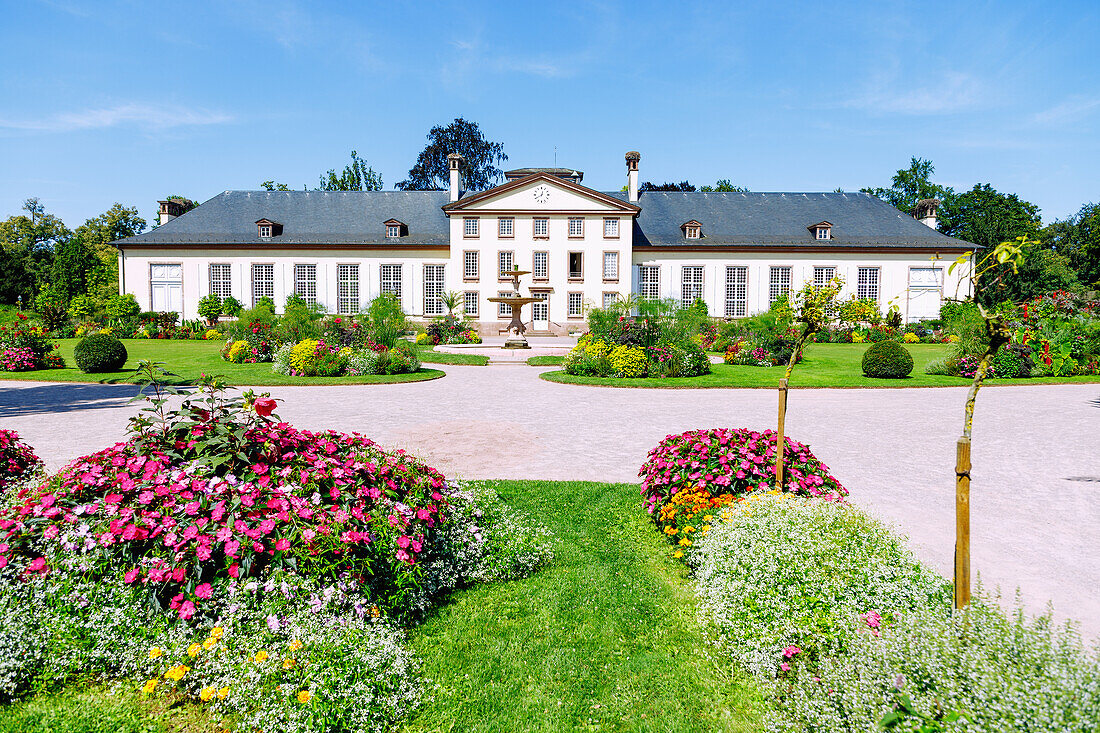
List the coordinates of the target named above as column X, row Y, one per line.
column 541, row 193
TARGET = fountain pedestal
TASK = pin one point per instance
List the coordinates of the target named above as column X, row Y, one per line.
column 516, row 301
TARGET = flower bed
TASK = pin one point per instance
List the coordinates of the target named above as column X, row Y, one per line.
column 448, row 329
column 18, row 461
column 24, row 347
column 315, row 358
column 598, row 358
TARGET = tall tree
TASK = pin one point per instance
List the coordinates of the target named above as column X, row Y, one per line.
column 27, row 245
column 355, row 177
column 96, row 235
column 480, row 159
column 681, row 186
column 988, row 217
column 1078, row 239
column 724, row 185
column 910, row 185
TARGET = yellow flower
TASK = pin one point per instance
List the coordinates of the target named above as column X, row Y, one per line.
column 176, row 673
column 260, row 656
column 295, row 645
column 210, row 643
column 678, row 553
column 305, row 696
column 149, row 687
column 685, row 542
column 689, row 528
column 288, row 663
column 207, row 694
column 708, row 518
column 222, row 693
column 194, row 649
column 156, row 652
column 216, row 632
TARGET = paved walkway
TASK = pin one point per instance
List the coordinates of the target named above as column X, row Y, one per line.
column 1036, row 455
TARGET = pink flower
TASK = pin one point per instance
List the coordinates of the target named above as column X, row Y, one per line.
column 131, row 576
column 791, row 651
column 37, row 564
column 785, row 667
column 204, row 591
column 403, row 542
column 264, row 406
column 187, row 610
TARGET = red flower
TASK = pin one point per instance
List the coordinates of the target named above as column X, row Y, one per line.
column 264, row 406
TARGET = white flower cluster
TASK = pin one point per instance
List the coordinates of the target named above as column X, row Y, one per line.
column 280, row 359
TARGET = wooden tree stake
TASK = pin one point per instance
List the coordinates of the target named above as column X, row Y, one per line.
column 962, row 523
column 779, row 440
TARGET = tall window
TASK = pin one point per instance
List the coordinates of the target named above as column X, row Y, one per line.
column 506, row 261
column 347, row 289
column 470, row 265
column 505, row 226
column 469, row 226
column 737, row 290
column 691, row 284
column 470, row 301
column 576, row 226
column 575, row 304
column 609, row 300
column 503, row 309
column 576, row 265
column 779, row 283
column 263, row 282
column 540, row 265
column 610, row 265
column 822, row 276
column 221, row 283
column 649, row 282
column 305, row 283
column 541, row 227
column 433, row 288
column 867, row 284
column 390, row 280
column 611, row 228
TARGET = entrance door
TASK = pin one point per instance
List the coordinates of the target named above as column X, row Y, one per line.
column 166, row 285
column 925, row 293
column 540, row 312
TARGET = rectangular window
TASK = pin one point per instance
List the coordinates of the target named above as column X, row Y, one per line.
column 691, row 284
column 347, row 289
column 265, row 231
column 822, row 276
column 575, row 303
column 470, row 264
column 505, row 227
column 221, row 283
column 867, row 284
column 822, row 232
column 737, row 291
column 263, row 282
column 610, row 265
column 470, row 302
column 540, row 265
column 503, row 309
column 779, row 283
column 576, row 265
column 541, row 227
column 305, row 283
column 390, row 280
column 469, row 226
column 433, row 288
column 393, row 230
column 576, row 226
column 507, row 263
column 649, row 282
column 611, row 228
column 609, row 299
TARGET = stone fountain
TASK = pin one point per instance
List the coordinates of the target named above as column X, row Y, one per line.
column 516, row 329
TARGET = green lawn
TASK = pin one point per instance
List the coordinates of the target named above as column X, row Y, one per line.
column 99, row 709
column 189, row 359
column 605, row 638
column 545, row 360
column 824, row 365
column 429, row 355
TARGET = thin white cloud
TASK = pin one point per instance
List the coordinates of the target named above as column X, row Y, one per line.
column 146, row 116
column 953, row 92
column 1070, row 110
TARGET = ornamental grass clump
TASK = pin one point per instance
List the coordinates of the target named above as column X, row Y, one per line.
column 688, row 477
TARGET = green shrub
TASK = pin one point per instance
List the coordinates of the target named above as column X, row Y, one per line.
column 99, row 352
column 231, row 307
column 122, row 306
column 82, row 307
column 385, row 321
column 937, row 367
column 210, row 307
column 887, row 360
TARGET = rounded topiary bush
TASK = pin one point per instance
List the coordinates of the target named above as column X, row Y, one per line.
column 100, row 352
column 887, row 360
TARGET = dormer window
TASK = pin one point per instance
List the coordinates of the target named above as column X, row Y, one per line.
column 822, row 230
column 395, row 228
column 692, row 229
column 266, row 229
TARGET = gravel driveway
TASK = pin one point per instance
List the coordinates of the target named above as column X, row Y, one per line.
column 1036, row 454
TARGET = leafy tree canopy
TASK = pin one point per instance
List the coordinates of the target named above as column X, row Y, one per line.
column 681, row 186
column 987, row 217
column 355, row 177
column 480, row 159
column 27, row 244
column 724, row 185
column 273, row 186
column 1078, row 239
column 910, row 185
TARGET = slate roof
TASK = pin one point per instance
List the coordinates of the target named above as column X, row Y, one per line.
column 307, row 217
column 777, row 220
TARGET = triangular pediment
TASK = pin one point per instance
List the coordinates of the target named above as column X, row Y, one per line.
column 541, row 193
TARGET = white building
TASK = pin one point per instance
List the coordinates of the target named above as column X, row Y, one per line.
column 736, row 251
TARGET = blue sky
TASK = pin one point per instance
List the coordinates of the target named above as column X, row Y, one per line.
column 132, row 101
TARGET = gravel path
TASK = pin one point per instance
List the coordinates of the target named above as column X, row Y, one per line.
column 1036, row 455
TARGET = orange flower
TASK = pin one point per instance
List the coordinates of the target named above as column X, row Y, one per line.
column 305, row 696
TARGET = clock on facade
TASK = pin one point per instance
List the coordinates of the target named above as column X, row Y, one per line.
column 542, row 194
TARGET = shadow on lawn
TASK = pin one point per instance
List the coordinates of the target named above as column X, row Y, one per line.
column 63, row 397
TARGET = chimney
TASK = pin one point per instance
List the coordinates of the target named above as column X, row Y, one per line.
column 173, row 207
column 925, row 212
column 632, row 159
column 454, row 162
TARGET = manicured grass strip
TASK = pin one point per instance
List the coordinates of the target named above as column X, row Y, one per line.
column 823, row 365
column 428, row 355
column 545, row 360
column 101, row 709
column 189, row 359
column 605, row 638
